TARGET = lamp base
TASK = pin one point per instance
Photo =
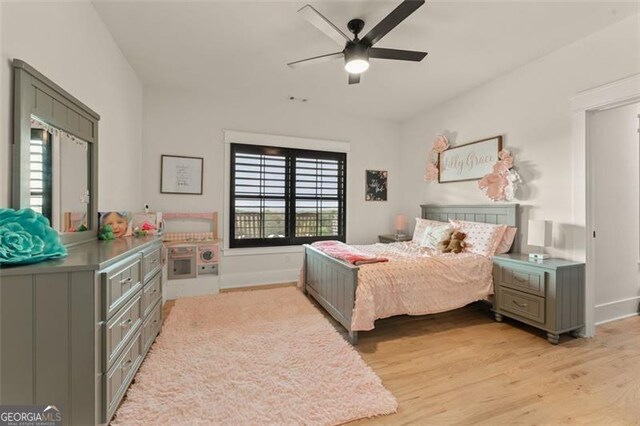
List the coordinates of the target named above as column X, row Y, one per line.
column 538, row 256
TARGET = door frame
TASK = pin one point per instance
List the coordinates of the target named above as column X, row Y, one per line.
column 583, row 105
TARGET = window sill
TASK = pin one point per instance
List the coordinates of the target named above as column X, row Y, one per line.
column 253, row 251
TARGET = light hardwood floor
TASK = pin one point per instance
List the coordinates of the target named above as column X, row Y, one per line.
column 461, row 368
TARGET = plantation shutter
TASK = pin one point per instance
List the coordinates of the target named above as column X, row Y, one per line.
column 283, row 196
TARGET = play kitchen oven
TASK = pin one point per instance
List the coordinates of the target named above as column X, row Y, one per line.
column 182, row 261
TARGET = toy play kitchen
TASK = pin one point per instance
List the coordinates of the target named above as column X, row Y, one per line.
column 190, row 254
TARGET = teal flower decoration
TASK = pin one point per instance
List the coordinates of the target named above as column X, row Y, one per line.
column 26, row 237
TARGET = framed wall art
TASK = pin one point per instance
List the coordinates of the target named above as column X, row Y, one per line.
column 470, row 161
column 376, row 185
column 181, row 175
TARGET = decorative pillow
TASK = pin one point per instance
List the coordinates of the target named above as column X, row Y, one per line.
column 421, row 225
column 482, row 238
column 433, row 234
column 507, row 240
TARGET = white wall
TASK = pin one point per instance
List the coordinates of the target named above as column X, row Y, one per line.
column 613, row 142
column 530, row 106
column 176, row 122
column 68, row 43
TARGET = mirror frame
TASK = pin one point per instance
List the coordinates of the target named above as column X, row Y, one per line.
column 36, row 95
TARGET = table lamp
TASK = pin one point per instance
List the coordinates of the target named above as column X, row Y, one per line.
column 539, row 235
column 400, row 225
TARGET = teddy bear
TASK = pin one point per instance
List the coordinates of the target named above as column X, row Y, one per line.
column 455, row 244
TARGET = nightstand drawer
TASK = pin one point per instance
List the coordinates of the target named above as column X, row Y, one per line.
column 522, row 304
column 522, row 278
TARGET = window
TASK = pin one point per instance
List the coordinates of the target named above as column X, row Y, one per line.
column 40, row 172
column 285, row 196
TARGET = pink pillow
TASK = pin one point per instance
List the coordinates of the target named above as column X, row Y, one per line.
column 421, row 226
column 507, row 240
column 482, row 238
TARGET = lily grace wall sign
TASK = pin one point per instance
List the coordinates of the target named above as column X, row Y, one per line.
column 469, row 161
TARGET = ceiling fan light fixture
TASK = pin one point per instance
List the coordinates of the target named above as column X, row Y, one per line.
column 356, row 66
column 356, row 58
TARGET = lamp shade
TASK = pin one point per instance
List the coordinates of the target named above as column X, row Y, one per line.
column 539, row 233
column 400, row 222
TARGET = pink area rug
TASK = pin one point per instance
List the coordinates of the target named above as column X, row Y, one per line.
column 255, row 357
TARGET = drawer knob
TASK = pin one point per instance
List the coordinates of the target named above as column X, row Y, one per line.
column 155, row 290
column 126, row 364
column 154, row 261
column 520, row 305
column 519, row 279
column 126, row 281
column 126, row 323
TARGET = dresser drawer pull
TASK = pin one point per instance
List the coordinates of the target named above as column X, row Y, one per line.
column 126, row 281
column 520, row 305
column 155, row 321
column 126, row 364
column 520, row 280
column 126, row 323
column 154, row 260
column 155, row 290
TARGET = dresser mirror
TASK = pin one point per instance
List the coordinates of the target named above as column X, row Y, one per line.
column 55, row 155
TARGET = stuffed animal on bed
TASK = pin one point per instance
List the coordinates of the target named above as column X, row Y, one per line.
column 455, row 244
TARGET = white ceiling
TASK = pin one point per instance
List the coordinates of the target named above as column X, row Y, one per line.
column 238, row 50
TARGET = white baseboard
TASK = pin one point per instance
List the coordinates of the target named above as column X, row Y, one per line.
column 254, row 279
column 617, row 310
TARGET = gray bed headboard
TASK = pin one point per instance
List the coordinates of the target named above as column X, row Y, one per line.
column 499, row 214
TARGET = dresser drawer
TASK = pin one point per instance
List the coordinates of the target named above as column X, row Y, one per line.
column 120, row 283
column 521, row 278
column 121, row 373
column 121, row 327
column 151, row 294
column 151, row 262
column 151, row 326
column 522, row 304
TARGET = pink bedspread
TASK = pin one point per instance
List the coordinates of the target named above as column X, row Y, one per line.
column 417, row 281
column 349, row 254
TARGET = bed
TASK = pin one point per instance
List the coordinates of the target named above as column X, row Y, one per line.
column 334, row 283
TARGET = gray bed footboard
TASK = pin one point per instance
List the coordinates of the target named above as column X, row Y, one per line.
column 333, row 284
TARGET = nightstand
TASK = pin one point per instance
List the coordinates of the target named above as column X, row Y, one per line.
column 548, row 294
column 393, row 238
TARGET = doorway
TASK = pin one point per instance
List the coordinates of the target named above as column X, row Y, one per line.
column 614, row 197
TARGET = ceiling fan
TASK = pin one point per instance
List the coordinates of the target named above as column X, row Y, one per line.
column 357, row 52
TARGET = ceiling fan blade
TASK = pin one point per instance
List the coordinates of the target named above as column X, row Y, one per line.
column 401, row 55
column 354, row 78
column 316, row 60
column 399, row 14
column 316, row 19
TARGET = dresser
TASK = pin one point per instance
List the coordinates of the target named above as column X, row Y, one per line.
column 74, row 331
column 545, row 294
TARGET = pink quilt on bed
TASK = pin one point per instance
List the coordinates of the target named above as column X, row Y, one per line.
column 347, row 253
column 417, row 281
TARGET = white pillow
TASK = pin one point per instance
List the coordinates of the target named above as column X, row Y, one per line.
column 482, row 238
column 433, row 234
column 421, row 225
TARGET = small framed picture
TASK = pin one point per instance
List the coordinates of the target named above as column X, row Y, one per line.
column 181, row 175
column 120, row 222
column 376, row 185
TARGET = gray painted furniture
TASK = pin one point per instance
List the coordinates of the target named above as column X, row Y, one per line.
column 548, row 295
column 392, row 238
column 333, row 282
column 74, row 331
column 35, row 95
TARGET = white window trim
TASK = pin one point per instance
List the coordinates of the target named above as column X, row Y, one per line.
column 247, row 138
